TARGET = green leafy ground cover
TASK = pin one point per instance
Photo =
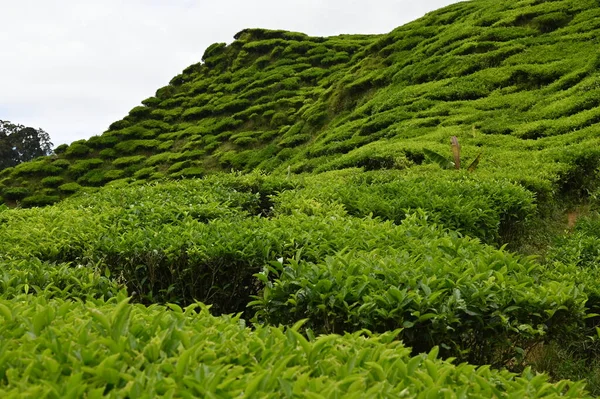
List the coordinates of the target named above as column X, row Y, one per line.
column 343, row 256
column 65, row 349
column 261, row 247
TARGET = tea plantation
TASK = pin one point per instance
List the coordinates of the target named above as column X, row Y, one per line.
column 412, row 214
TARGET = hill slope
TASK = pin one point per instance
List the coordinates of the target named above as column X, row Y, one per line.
column 517, row 80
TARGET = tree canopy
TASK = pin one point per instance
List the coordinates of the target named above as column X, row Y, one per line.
column 19, row 144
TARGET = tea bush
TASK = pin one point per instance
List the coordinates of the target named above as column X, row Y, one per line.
column 40, row 200
column 35, row 168
column 492, row 210
column 207, row 240
column 52, row 181
column 76, row 150
column 112, row 348
column 65, row 281
column 477, row 303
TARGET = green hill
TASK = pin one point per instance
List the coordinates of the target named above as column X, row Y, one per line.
column 361, row 214
column 517, row 80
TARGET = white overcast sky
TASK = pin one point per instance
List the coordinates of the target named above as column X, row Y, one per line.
column 72, row 67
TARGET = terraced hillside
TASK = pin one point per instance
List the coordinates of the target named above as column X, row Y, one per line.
column 517, row 80
column 413, row 214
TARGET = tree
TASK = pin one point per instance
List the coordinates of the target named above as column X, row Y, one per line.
column 19, row 144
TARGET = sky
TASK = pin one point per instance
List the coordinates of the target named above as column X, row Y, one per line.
column 72, row 67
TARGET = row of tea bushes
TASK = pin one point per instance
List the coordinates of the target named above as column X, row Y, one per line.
column 69, row 349
column 494, row 210
column 181, row 241
column 476, row 302
column 51, row 280
column 208, row 240
column 576, row 256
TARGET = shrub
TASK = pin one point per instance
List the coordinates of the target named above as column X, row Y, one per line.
column 492, row 210
column 551, row 21
column 61, row 163
column 165, row 146
column 143, row 173
column 69, row 188
column 118, row 125
column 162, row 158
column 177, row 166
column 113, row 174
column 432, row 285
column 268, row 361
column 94, row 177
column 135, row 145
column 77, row 150
column 81, row 167
column 198, row 112
column 126, row 161
column 108, row 153
column 213, row 50
column 52, row 181
column 140, row 112
column 61, row 149
column 15, row 193
column 40, row 200
column 36, row 168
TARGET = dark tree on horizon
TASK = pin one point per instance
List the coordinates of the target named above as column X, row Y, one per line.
column 19, row 144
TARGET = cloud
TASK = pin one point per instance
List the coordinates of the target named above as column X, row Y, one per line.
column 72, row 67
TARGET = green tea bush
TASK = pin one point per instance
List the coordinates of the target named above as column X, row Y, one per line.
column 124, row 350
column 99, row 142
column 126, row 161
column 120, row 124
column 61, row 149
column 574, row 257
column 212, row 249
column 551, row 22
column 15, row 193
column 40, row 200
column 108, row 153
column 213, row 50
column 69, row 188
column 431, row 284
column 113, row 174
column 95, row 177
column 138, row 131
column 369, row 157
column 140, row 112
column 161, row 158
column 77, row 150
column 198, row 112
column 52, row 181
column 493, row 210
column 141, row 174
column 36, row 168
column 177, row 166
column 61, row 163
column 81, row 167
column 66, row 281
column 135, row 145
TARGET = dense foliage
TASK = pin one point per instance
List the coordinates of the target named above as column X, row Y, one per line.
column 64, row 349
column 289, row 218
column 226, row 238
